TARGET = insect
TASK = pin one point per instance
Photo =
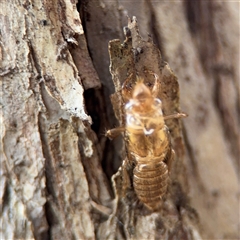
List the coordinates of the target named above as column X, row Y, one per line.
column 147, row 140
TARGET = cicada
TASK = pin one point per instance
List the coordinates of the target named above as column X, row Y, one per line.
column 147, row 140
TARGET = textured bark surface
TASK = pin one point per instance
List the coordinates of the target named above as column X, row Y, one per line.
column 56, row 166
column 45, row 135
column 199, row 40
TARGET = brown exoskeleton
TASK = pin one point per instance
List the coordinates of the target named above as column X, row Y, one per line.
column 148, row 141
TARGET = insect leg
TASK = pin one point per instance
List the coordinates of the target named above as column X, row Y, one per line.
column 175, row 115
column 115, row 132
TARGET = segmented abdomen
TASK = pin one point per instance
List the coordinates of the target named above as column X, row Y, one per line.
column 150, row 182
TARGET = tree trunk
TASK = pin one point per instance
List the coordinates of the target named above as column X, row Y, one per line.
column 55, row 106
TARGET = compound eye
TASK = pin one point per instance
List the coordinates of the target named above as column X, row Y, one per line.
column 157, row 103
column 129, row 86
column 149, row 84
column 132, row 121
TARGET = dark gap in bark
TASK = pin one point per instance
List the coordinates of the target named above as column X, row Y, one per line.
column 110, row 167
column 193, row 12
column 6, row 196
column 82, row 7
column 97, row 112
column 35, row 60
column 93, row 107
column 51, row 218
column 158, row 41
column 96, row 108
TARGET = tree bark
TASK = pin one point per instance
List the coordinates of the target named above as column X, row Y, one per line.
column 56, row 163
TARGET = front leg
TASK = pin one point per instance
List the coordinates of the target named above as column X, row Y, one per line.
column 115, row 132
column 175, row 115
